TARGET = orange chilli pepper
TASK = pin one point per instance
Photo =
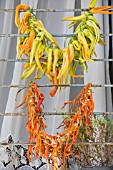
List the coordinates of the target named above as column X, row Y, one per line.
column 28, row 94
column 54, row 90
column 29, row 152
column 17, row 16
column 24, row 28
column 28, row 45
column 101, row 10
column 26, row 16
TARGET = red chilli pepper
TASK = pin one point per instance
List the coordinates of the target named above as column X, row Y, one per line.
column 42, row 123
column 41, row 98
column 53, row 92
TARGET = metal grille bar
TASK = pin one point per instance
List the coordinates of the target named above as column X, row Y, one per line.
column 54, row 35
column 53, row 85
column 26, row 60
column 50, row 10
column 79, row 143
column 52, row 113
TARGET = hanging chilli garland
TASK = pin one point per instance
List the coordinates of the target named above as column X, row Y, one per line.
column 38, row 42
column 60, row 147
column 87, row 35
column 42, row 50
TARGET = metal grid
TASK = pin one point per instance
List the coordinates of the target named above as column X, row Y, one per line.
column 48, row 85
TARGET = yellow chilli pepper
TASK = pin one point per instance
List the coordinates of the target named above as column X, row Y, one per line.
column 65, row 63
column 49, row 61
column 42, row 74
column 37, row 56
column 92, row 3
column 33, row 50
column 48, row 35
column 56, row 52
column 28, row 71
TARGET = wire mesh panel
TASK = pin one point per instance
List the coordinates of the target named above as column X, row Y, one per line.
column 94, row 151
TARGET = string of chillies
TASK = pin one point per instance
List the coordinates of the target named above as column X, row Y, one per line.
column 42, row 50
column 38, row 42
column 56, row 149
column 87, row 36
column 87, row 33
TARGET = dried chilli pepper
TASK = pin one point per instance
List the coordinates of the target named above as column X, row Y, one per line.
column 57, row 148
